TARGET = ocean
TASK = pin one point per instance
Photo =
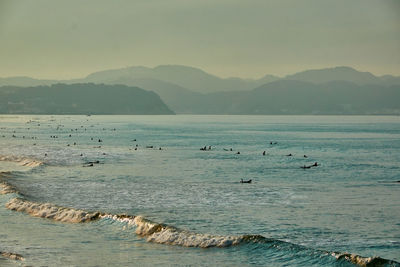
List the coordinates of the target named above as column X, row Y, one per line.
column 152, row 190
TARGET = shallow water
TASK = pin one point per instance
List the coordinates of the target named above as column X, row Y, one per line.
column 350, row 203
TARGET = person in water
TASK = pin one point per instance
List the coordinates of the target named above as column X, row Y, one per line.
column 308, row 167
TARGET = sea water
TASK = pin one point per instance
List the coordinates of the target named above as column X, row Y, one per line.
column 153, row 167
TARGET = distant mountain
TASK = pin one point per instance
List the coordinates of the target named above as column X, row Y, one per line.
column 179, row 99
column 342, row 74
column 267, row 79
column 390, row 79
column 337, row 97
column 25, row 81
column 297, row 97
column 80, row 99
column 193, row 79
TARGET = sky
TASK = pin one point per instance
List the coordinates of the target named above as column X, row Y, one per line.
column 57, row 39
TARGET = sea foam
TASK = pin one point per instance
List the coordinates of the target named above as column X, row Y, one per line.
column 50, row 211
column 12, row 256
column 6, row 188
column 364, row 261
column 23, row 161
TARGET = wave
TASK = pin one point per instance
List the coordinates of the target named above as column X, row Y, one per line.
column 364, row 261
column 23, row 161
column 50, row 211
column 12, row 256
column 165, row 234
column 6, row 188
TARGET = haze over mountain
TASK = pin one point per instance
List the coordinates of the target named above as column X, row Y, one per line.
column 190, row 78
column 80, row 99
column 297, row 97
column 187, row 90
column 200, row 81
column 342, row 74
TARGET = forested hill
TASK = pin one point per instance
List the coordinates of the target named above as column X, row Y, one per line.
column 82, row 98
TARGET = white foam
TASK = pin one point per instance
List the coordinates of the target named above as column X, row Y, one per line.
column 12, row 256
column 50, row 211
column 6, row 188
column 361, row 261
column 163, row 234
column 120, row 218
column 23, row 161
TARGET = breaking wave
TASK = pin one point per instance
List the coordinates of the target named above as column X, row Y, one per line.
column 50, row 211
column 12, row 256
column 23, row 161
column 364, row 261
column 169, row 235
column 165, row 234
column 6, row 188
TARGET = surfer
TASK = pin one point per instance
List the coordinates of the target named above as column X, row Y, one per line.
column 308, row 167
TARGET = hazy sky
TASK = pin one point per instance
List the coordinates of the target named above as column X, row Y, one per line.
column 245, row 38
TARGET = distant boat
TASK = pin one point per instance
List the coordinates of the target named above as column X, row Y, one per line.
column 245, row 181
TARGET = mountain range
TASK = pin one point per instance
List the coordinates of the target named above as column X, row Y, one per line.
column 188, row 90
